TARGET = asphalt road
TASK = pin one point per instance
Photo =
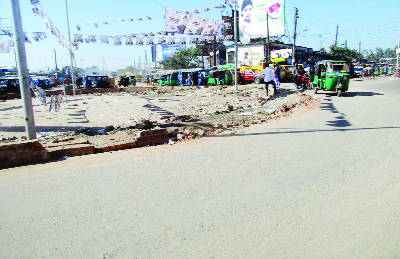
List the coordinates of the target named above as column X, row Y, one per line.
column 323, row 183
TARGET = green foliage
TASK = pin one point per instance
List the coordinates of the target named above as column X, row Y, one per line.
column 378, row 54
column 346, row 54
column 188, row 58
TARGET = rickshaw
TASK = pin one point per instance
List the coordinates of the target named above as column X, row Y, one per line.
column 186, row 77
column 367, row 72
column 332, row 75
column 163, row 80
column 172, row 78
column 96, row 81
column 155, row 79
column 377, row 71
column 220, row 77
column 132, row 80
column 391, row 70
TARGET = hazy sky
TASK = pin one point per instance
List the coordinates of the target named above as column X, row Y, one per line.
column 373, row 23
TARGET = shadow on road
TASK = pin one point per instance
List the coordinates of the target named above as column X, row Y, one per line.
column 299, row 131
column 51, row 129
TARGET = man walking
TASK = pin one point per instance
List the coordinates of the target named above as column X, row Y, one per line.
column 269, row 79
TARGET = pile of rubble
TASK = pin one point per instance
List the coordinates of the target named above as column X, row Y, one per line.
column 192, row 113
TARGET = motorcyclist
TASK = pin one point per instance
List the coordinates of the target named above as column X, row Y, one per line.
column 299, row 73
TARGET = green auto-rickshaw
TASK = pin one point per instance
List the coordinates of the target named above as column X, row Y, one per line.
column 173, row 78
column 132, row 80
column 163, row 80
column 391, row 70
column 220, row 77
column 331, row 75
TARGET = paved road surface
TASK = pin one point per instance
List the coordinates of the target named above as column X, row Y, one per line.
column 322, row 184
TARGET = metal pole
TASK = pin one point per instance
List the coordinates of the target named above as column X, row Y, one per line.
column 236, row 47
column 337, row 29
column 294, row 36
column 70, row 50
column 397, row 74
column 268, row 52
column 55, row 59
column 19, row 42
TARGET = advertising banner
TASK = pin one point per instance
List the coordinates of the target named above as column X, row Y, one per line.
column 280, row 55
column 183, row 23
column 163, row 51
column 253, row 18
column 251, row 56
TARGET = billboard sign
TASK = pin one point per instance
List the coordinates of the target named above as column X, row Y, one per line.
column 251, row 55
column 184, row 23
column 253, row 18
column 163, row 52
column 280, row 55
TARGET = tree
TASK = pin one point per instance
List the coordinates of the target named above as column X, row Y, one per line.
column 346, row 54
column 378, row 54
column 184, row 59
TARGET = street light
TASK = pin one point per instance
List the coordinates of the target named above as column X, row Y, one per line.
column 70, row 51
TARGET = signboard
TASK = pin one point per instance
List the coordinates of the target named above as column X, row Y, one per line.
column 184, row 23
column 398, row 51
column 280, row 55
column 253, row 19
column 251, row 56
column 163, row 52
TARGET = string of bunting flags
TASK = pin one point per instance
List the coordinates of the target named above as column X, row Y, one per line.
column 176, row 22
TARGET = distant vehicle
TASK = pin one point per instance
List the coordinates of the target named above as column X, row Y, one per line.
column 155, row 78
column 96, row 81
column 358, row 71
column 42, row 82
column 220, row 77
column 173, row 78
column 9, row 84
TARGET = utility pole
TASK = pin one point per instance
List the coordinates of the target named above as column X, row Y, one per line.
column 214, row 51
column 397, row 72
column 236, row 47
column 145, row 58
column 55, row 59
column 23, row 75
column 70, row 51
column 337, row 30
column 268, row 52
column 154, row 49
column 296, row 12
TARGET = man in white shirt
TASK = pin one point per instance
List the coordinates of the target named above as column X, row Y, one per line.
column 268, row 73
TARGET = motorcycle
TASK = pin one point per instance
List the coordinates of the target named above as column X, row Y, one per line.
column 304, row 82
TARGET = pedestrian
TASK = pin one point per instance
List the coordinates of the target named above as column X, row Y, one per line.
column 269, row 79
column 148, row 80
column 277, row 75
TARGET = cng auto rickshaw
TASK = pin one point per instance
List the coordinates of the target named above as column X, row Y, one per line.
column 163, row 80
column 367, row 72
column 132, row 80
column 391, row 70
column 332, row 75
column 172, row 78
column 186, row 77
column 220, row 77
